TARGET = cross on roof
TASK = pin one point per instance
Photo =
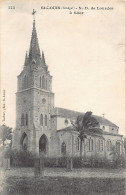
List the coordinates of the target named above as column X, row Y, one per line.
column 33, row 13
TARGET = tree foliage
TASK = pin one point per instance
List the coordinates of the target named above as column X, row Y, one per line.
column 86, row 124
column 5, row 133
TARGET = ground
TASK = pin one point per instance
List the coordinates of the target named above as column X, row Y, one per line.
column 60, row 181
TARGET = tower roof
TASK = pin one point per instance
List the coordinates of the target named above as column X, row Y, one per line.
column 34, row 51
column 34, row 59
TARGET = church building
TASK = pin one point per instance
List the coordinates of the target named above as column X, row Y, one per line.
column 42, row 127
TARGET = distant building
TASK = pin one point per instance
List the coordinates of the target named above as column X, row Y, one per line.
column 41, row 127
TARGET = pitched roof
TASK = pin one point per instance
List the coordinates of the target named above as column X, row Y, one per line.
column 71, row 128
column 73, row 115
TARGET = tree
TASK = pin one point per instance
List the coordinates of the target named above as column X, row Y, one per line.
column 86, row 124
column 5, row 133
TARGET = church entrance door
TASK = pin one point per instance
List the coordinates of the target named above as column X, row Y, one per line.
column 43, row 144
column 24, row 141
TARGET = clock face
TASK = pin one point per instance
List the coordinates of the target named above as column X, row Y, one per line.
column 43, row 100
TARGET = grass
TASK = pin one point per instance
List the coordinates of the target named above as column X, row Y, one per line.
column 16, row 185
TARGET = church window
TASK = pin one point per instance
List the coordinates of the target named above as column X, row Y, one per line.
column 25, row 82
column 90, row 144
column 103, row 127
column 46, row 84
column 22, row 120
column 43, row 82
column 118, row 147
column 100, row 145
column 109, row 145
column 87, row 144
column 63, row 148
column 45, row 120
column 26, row 119
column 66, row 122
column 41, row 120
column 78, row 144
column 40, row 82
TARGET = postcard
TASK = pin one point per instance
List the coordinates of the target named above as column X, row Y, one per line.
column 62, row 97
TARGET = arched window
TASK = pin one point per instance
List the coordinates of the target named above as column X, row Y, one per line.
column 109, row 145
column 43, row 82
column 45, row 120
column 40, row 82
column 26, row 119
column 22, row 120
column 103, row 128
column 41, row 120
column 63, row 148
column 90, row 144
column 87, row 144
column 46, row 84
column 25, row 82
column 118, row 147
column 100, row 145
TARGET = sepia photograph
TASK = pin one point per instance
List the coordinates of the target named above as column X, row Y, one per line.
column 62, row 97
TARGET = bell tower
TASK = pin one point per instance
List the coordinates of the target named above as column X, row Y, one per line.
column 34, row 98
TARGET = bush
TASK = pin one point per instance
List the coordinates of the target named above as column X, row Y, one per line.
column 120, row 161
column 55, row 162
column 26, row 159
column 77, row 162
column 93, row 161
column 62, row 162
column 22, row 158
column 50, row 162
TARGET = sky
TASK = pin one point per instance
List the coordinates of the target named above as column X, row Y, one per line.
column 85, row 54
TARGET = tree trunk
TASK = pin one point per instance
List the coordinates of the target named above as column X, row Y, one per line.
column 81, row 157
column 81, row 149
column 84, row 149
